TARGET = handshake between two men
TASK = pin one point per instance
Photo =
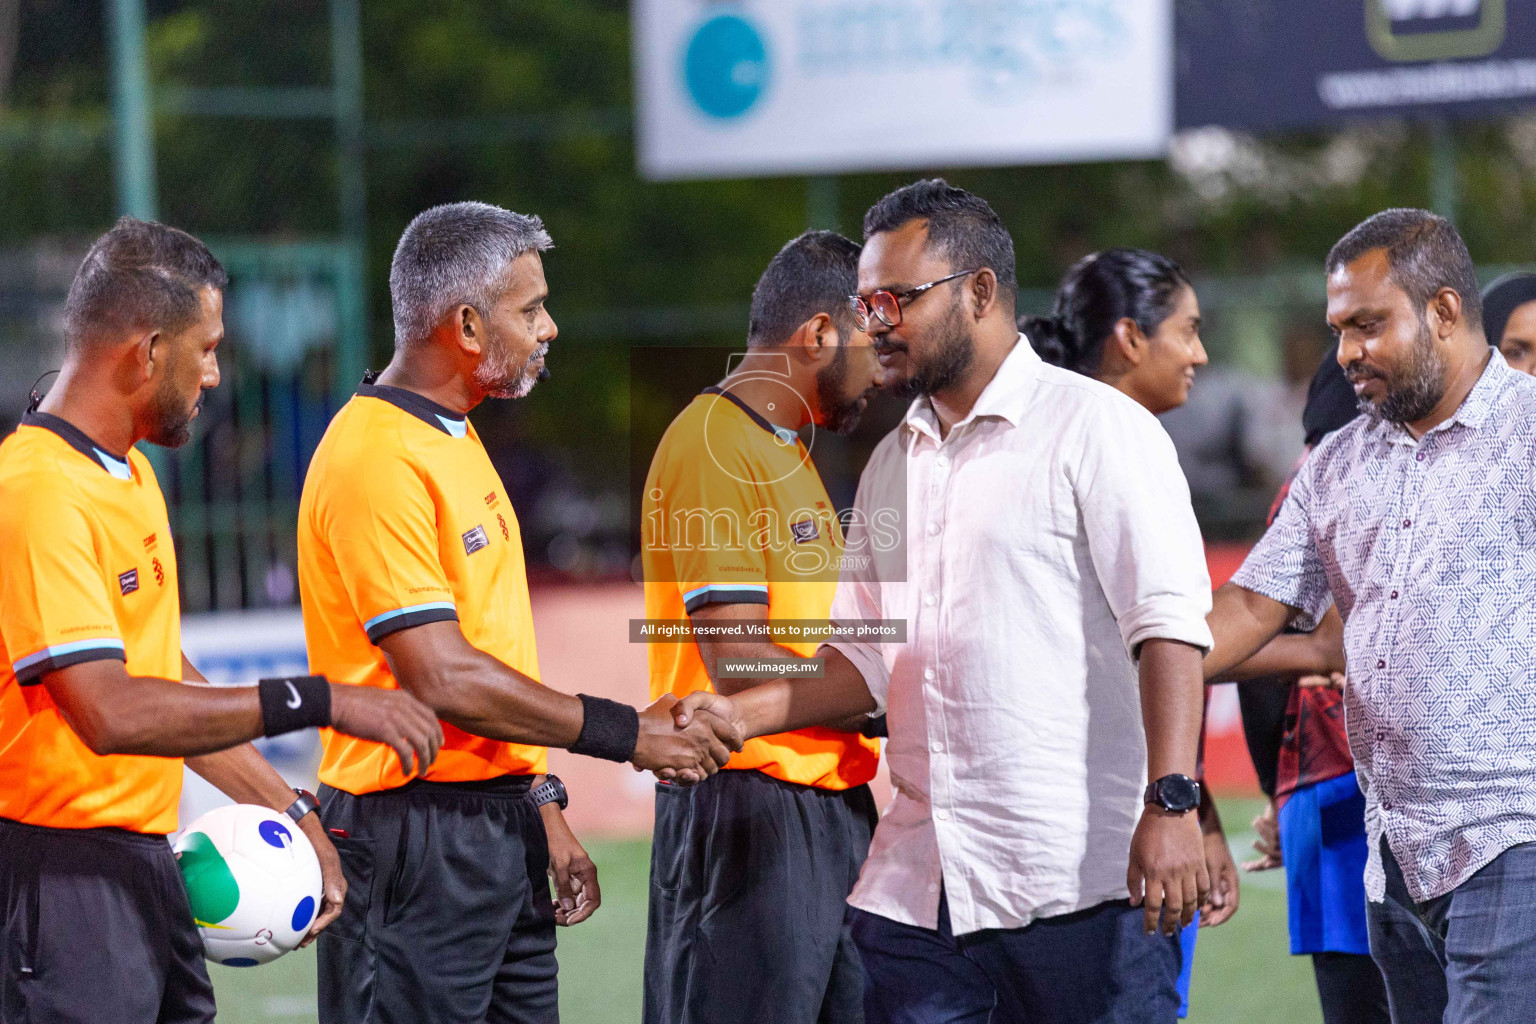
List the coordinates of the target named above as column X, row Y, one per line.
column 682, row 747
column 710, row 726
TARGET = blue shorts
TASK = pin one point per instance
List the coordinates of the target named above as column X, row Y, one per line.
column 1187, row 938
column 1322, row 838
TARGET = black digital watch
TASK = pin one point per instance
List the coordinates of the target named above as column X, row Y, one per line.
column 306, row 802
column 551, row 791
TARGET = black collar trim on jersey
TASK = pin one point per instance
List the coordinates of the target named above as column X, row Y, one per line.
column 782, row 433
column 449, row 422
column 80, row 442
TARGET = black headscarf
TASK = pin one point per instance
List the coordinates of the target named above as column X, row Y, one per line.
column 1501, row 299
column 1330, row 399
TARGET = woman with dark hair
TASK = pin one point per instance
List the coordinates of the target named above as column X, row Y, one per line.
column 1130, row 318
column 1509, row 319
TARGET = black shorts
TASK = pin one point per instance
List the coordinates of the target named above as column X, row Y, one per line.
column 448, row 915
column 750, row 878
column 95, row 926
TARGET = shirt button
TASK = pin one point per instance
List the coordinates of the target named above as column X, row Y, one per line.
column 1419, row 457
column 933, row 528
column 933, row 887
column 943, row 460
column 1386, row 805
column 941, row 815
column 1394, row 595
column 928, row 673
column 1407, row 523
column 1381, row 664
column 938, row 748
column 930, row 600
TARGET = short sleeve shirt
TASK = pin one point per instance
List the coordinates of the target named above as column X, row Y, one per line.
column 89, row 573
column 734, row 512
column 404, row 521
column 1428, row 546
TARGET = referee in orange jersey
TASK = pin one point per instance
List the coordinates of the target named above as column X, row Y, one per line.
column 94, row 717
column 751, row 868
column 412, row 577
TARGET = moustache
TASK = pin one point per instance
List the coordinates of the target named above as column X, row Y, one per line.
column 1356, row 372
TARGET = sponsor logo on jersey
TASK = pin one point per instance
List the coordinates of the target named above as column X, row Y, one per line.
column 128, row 581
column 805, row 531
column 474, row 540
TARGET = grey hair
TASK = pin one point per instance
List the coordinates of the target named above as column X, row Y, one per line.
column 456, row 254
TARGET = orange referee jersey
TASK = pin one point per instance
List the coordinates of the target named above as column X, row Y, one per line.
column 734, row 512
column 87, row 571
column 404, row 521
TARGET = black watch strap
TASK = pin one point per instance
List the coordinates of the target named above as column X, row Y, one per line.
column 306, row 802
column 550, row 791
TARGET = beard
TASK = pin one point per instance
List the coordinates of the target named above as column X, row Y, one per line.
column 170, row 423
column 953, row 352
column 498, row 377
column 1412, row 392
column 841, row 413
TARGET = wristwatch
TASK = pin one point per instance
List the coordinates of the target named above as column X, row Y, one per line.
column 551, row 792
column 303, row 805
column 1176, row 793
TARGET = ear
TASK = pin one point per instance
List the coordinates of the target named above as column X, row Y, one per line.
column 819, row 338
column 1128, row 340
column 150, row 353
column 984, row 291
column 469, row 330
column 1444, row 310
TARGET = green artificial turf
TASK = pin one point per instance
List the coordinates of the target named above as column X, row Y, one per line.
column 1243, row 970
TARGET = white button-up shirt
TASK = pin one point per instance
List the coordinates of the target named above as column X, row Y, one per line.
column 1045, row 538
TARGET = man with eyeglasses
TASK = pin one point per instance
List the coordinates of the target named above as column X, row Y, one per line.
column 1055, row 593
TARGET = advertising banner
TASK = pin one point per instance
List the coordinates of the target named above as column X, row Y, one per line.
column 761, row 87
column 1302, row 63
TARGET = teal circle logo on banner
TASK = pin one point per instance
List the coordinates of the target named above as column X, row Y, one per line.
column 726, row 66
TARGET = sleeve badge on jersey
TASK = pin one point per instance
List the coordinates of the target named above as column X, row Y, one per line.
column 474, row 540
column 128, row 581
column 805, row 531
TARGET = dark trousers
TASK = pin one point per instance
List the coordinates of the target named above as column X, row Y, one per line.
column 1468, row 956
column 1350, row 988
column 95, row 926
column 1096, row 966
column 448, row 917
column 750, row 878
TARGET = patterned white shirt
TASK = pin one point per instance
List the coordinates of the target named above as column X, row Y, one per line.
column 1429, row 549
column 1047, row 536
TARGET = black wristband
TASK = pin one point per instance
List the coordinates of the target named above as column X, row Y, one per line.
column 296, row 702
column 609, row 730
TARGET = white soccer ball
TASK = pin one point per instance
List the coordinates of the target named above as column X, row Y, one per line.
column 253, row 880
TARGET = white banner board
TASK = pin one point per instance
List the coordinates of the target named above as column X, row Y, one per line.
column 759, row 87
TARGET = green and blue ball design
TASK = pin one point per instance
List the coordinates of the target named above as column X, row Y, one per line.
column 253, row 882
